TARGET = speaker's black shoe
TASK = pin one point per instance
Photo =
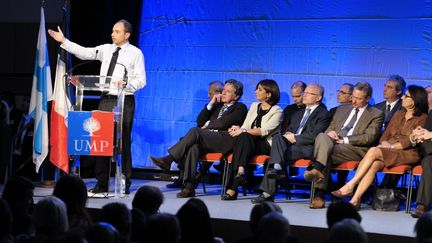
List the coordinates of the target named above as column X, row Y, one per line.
column 98, row 188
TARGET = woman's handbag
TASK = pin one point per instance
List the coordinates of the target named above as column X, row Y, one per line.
column 387, row 199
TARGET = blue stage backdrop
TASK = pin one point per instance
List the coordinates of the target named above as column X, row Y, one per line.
column 188, row 44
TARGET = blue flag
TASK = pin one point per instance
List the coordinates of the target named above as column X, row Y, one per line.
column 41, row 94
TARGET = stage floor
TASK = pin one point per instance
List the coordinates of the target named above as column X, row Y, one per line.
column 296, row 210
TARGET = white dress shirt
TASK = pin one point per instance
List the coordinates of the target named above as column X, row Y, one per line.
column 350, row 132
column 130, row 56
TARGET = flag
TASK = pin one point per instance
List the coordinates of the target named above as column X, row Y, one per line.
column 41, row 94
column 61, row 106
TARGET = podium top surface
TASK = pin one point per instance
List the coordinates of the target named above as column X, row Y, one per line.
column 97, row 82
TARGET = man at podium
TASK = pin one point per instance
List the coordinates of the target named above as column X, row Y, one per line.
column 119, row 59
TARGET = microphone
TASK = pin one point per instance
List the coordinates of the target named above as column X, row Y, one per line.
column 69, row 72
column 125, row 77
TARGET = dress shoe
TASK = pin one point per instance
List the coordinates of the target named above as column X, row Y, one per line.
column 47, row 184
column 273, row 173
column 186, row 192
column 261, row 198
column 228, row 197
column 99, row 189
column 339, row 194
column 317, row 202
column 419, row 211
column 178, row 183
column 313, row 175
column 163, row 162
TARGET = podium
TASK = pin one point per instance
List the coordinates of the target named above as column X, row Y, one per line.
column 103, row 84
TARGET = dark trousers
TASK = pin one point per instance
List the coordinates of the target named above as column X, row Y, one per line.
column 283, row 153
column 197, row 142
column 424, row 192
column 102, row 163
column 245, row 147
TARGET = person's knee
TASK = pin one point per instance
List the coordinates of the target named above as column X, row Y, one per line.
column 377, row 166
column 426, row 162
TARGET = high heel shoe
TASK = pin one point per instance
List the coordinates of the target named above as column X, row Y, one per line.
column 228, row 197
column 240, row 180
column 339, row 194
column 356, row 206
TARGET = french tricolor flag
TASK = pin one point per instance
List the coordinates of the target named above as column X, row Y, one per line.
column 61, row 105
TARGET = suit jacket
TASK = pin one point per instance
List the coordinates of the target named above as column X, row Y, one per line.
column 426, row 146
column 382, row 107
column 368, row 128
column 317, row 123
column 270, row 122
column 234, row 115
column 288, row 112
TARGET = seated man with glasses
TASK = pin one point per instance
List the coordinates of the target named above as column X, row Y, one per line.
column 344, row 95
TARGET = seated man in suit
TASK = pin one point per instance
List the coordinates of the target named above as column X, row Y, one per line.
column 424, row 193
column 215, row 88
column 393, row 89
column 344, row 97
column 221, row 113
column 298, row 139
column 297, row 89
column 353, row 129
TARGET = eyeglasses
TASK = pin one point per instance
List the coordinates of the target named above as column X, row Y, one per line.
column 309, row 93
column 343, row 92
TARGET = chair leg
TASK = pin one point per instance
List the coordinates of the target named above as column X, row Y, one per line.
column 224, row 179
column 312, row 193
column 286, row 182
column 201, row 168
column 409, row 194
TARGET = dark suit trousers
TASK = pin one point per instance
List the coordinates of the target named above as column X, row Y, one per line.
column 283, row 153
column 424, row 193
column 245, row 147
column 102, row 164
column 196, row 143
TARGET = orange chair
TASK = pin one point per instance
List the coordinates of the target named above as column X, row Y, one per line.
column 256, row 160
column 400, row 170
column 209, row 158
column 416, row 171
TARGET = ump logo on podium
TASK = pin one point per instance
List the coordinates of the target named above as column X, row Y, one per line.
column 90, row 133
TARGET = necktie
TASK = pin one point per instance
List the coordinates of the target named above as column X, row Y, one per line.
column 344, row 131
column 387, row 112
column 222, row 110
column 113, row 62
column 303, row 121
